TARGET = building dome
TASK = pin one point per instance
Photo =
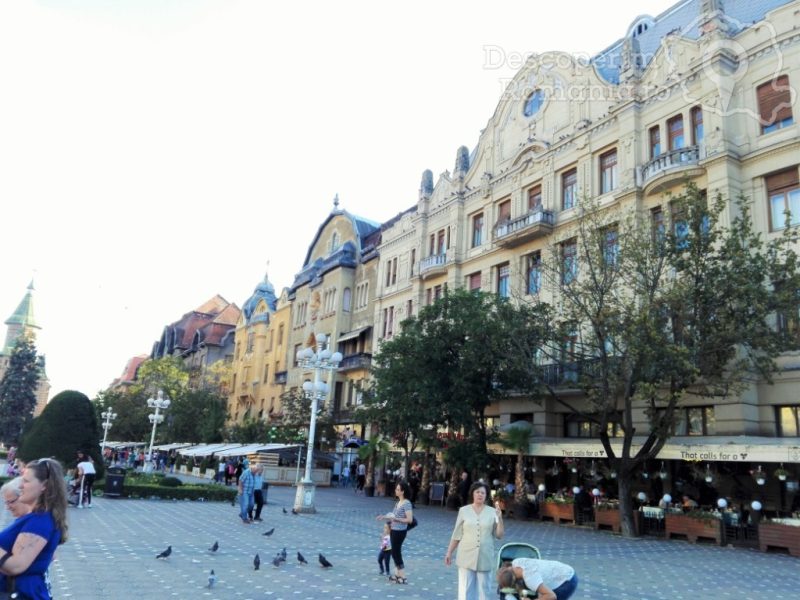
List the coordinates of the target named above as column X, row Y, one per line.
column 264, row 291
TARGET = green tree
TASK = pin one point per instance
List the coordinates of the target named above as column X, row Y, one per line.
column 297, row 414
column 131, row 424
column 452, row 361
column 18, row 391
column 650, row 317
column 67, row 424
column 517, row 437
column 196, row 416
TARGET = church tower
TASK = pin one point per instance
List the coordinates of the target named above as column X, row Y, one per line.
column 22, row 322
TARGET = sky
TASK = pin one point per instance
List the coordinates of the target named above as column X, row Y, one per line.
column 154, row 153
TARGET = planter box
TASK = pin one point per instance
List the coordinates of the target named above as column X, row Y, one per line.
column 609, row 518
column 776, row 535
column 693, row 529
column 556, row 511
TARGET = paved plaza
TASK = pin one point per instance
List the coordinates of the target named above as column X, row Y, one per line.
column 112, row 548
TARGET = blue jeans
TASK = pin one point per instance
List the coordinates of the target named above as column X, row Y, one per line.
column 566, row 589
column 245, row 506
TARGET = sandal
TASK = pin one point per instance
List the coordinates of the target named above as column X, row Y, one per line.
column 393, row 578
column 401, row 580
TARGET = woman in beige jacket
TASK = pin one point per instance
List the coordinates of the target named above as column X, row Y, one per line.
column 477, row 526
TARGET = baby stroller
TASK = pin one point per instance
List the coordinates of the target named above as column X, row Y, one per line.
column 74, row 491
column 508, row 553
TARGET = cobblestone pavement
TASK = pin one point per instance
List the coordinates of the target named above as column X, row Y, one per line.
column 112, row 548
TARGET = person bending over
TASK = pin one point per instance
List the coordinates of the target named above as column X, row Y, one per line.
column 550, row 579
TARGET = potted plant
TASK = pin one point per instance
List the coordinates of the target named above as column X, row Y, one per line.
column 606, row 514
column 693, row 525
column 781, row 473
column 558, row 509
column 779, row 533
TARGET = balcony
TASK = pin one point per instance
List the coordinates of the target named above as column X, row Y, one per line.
column 665, row 169
column 280, row 377
column 536, row 223
column 568, row 374
column 362, row 360
column 436, row 264
column 344, row 415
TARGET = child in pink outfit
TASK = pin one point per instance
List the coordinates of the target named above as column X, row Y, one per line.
column 386, row 550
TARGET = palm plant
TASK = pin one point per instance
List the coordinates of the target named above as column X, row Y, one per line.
column 518, row 438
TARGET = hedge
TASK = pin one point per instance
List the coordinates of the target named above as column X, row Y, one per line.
column 217, row 493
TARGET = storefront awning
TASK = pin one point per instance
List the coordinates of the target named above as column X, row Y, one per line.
column 691, row 449
column 353, row 334
column 254, row 449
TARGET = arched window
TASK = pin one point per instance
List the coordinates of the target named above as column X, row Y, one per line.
column 533, row 103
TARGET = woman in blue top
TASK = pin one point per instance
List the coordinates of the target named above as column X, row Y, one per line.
column 27, row 545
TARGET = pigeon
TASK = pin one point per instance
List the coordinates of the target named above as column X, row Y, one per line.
column 324, row 562
column 294, row 512
column 286, row 512
column 214, row 548
column 212, row 579
column 276, row 562
column 283, row 555
column 301, row 559
column 270, row 532
column 165, row 553
column 257, row 562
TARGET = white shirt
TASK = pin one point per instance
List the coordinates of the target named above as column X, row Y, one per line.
column 536, row 572
column 86, row 467
column 362, row 469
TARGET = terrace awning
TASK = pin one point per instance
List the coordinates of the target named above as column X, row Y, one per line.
column 353, row 334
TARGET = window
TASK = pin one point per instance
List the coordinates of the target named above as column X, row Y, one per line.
column 504, row 211
column 440, row 243
column 576, row 426
column 608, row 171
column 680, row 227
column 394, row 270
column 787, row 421
column 657, row 225
column 569, row 189
column 437, row 292
column 503, row 281
column 346, row 297
column 266, row 373
column 533, row 103
column 409, row 309
column 783, row 191
column 569, row 261
column 610, row 247
column 697, row 125
column 432, row 249
column 535, row 198
column 788, row 322
column 474, row 282
column 428, row 297
column 411, row 263
column 477, row 230
column 334, row 241
column 675, row 132
column 280, row 335
column 297, row 349
column 775, row 104
column 698, row 420
column 533, row 273
column 655, row 141
column 250, row 342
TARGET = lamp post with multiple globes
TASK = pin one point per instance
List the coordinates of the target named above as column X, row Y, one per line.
column 108, row 416
column 159, row 402
column 320, row 361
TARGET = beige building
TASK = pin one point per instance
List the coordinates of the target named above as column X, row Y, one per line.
column 333, row 294
column 704, row 92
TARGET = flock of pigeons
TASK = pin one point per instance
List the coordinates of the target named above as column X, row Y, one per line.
column 280, row 557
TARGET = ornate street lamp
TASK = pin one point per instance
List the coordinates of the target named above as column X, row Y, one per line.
column 159, row 403
column 319, row 361
column 108, row 416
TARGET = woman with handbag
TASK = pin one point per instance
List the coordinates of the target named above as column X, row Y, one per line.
column 400, row 518
column 27, row 545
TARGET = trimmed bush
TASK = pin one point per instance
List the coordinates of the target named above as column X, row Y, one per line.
column 170, row 482
column 216, row 493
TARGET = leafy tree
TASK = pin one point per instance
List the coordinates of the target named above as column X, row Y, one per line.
column 454, row 359
column 131, row 424
column 297, row 415
column 196, row 416
column 649, row 317
column 18, row 391
column 67, row 424
column 517, row 437
column 168, row 374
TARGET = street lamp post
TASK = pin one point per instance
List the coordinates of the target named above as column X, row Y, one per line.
column 159, row 402
column 108, row 416
column 319, row 361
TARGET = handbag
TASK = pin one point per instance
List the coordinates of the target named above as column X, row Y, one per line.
column 10, row 594
column 413, row 523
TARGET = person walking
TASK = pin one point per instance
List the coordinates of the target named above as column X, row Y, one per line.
column 258, row 491
column 399, row 518
column 86, row 475
column 362, row 477
column 477, row 526
column 27, row 545
column 246, row 487
column 550, row 579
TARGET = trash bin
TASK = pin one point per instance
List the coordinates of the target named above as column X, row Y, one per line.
column 115, row 477
column 264, row 491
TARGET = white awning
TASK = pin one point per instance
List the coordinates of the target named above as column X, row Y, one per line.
column 120, row 445
column 207, row 449
column 353, row 334
column 691, row 449
column 246, row 449
column 173, row 446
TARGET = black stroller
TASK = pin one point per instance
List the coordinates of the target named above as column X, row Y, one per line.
column 508, row 553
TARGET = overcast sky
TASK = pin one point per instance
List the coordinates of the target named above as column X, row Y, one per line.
column 154, row 153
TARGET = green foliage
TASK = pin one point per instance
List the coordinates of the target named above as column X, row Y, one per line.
column 453, row 360
column 170, row 482
column 518, row 439
column 67, row 424
column 131, row 424
column 18, row 391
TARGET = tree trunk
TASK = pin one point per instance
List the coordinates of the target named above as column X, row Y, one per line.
column 626, row 516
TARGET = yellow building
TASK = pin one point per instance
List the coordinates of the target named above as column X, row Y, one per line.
column 333, row 294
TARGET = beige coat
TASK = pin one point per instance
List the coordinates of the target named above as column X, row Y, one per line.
column 475, row 534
